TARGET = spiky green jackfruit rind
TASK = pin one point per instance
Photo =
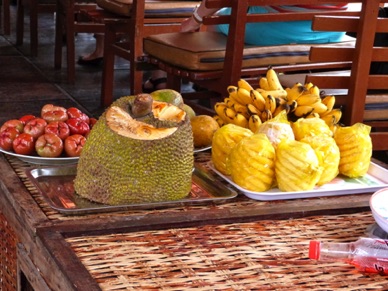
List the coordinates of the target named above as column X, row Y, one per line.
column 117, row 170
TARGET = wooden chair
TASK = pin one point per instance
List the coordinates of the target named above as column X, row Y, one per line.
column 363, row 101
column 5, row 17
column 145, row 18
column 214, row 61
column 68, row 23
column 35, row 8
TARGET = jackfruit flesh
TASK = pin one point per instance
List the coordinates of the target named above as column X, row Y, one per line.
column 127, row 161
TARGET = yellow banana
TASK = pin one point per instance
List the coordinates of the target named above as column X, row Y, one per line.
column 266, row 115
column 319, row 108
column 295, row 91
column 302, row 111
column 244, row 96
column 257, row 100
column 242, row 83
column 254, row 123
column 229, row 114
column 240, row 120
column 329, row 119
column 273, row 80
column 228, row 101
column 275, row 93
column 313, row 115
column 308, row 99
column 239, row 108
column 308, row 85
column 334, row 114
column 270, row 103
column 263, row 83
column 280, row 108
column 219, row 120
column 220, row 107
column 293, row 105
column 281, row 100
column 232, row 90
column 314, row 90
column 329, row 101
column 252, row 109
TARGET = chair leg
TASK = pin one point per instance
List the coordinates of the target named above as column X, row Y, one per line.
column 6, row 17
column 70, row 42
column 34, row 27
column 58, row 35
column 108, row 67
column 20, row 22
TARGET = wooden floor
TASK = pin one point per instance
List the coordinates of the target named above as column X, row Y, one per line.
column 86, row 90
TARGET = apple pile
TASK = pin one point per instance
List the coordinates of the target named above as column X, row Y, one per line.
column 58, row 131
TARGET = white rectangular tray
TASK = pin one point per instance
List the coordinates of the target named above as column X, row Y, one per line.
column 375, row 179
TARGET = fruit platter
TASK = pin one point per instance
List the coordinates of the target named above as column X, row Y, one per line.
column 54, row 137
column 285, row 143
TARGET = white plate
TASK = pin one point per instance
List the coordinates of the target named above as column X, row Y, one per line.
column 375, row 179
column 42, row 160
column 197, row 150
column 379, row 206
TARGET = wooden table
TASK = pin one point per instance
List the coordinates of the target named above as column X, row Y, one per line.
column 59, row 252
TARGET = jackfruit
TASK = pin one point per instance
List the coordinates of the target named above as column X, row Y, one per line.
column 145, row 160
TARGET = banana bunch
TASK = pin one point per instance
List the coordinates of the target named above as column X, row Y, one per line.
column 309, row 103
column 249, row 107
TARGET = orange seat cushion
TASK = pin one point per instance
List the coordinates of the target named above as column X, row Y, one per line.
column 205, row 51
column 156, row 8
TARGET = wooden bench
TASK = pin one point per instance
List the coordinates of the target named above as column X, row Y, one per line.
column 367, row 96
column 214, row 61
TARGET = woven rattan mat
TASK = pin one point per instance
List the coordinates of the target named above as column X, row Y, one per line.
column 265, row 255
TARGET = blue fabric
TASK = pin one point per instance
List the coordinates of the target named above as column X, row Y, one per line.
column 279, row 33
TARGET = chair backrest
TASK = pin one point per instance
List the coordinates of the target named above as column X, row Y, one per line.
column 360, row 81
column 233, row 69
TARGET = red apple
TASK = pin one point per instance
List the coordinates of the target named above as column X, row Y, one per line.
column 49, row 145
column 74, row 112
column 78, row 126
column 74, row 144
column 24, row 144
column 55, row 115
column 50, row 107
column 7, row 137
column 59, row 128
column 35, row 127
column 26, row 118
column 16, row 123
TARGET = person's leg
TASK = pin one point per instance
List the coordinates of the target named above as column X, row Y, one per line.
column 95, row 57
column 157, row 81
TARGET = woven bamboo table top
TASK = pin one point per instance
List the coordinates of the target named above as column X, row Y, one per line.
column 265, row 255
